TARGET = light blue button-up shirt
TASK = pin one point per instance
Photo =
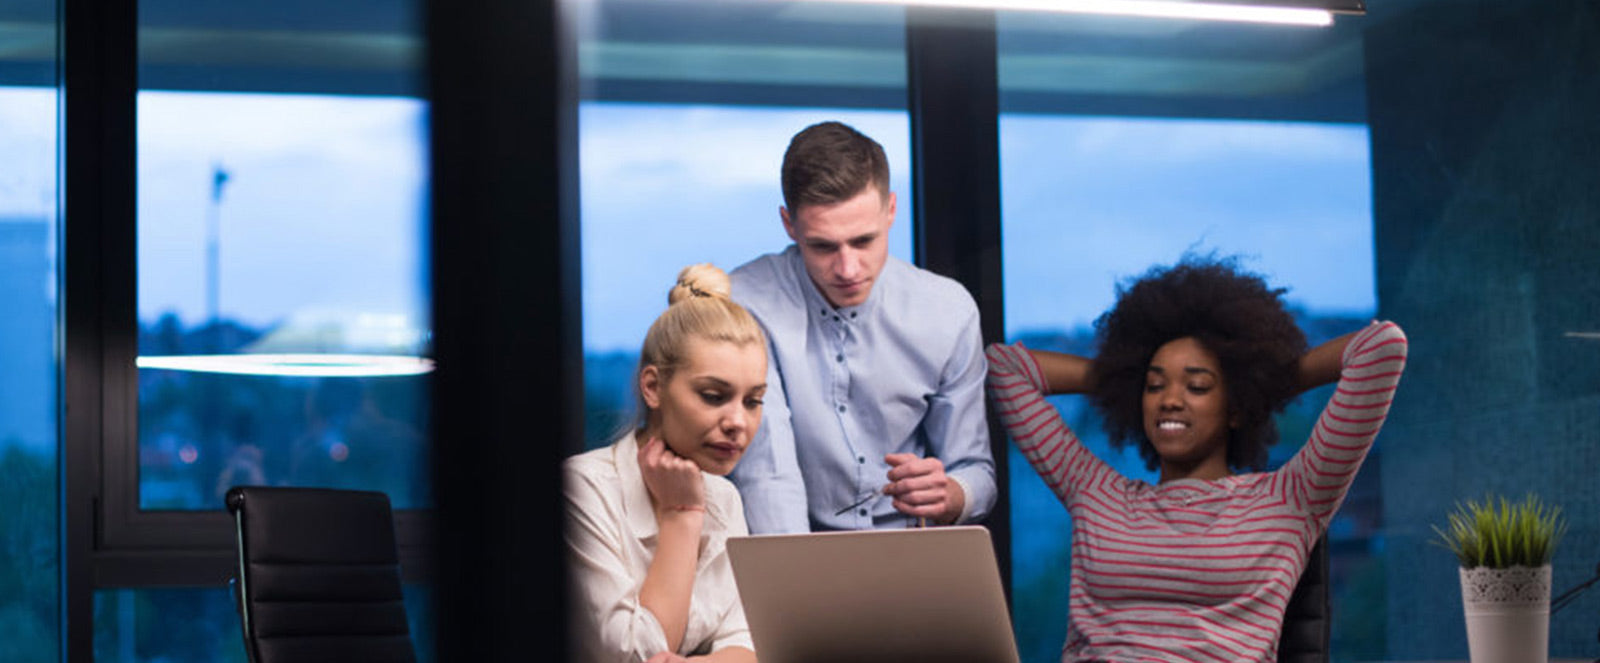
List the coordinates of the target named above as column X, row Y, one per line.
column 900, row 373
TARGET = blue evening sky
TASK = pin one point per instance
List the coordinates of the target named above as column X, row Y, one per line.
column 324, row 205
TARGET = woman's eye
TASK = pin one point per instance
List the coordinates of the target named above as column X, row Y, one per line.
column 752, row 403
column 1199, row 388
column 1152, row 387
column 712, row 397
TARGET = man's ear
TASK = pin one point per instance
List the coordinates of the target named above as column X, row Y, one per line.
column 788, row 224
column 889, row 209
column 650, row 386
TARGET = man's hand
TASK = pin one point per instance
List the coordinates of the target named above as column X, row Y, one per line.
column 667, row 657
column 921, row 488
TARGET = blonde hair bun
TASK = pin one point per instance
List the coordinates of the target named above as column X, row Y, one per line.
column 702, row 280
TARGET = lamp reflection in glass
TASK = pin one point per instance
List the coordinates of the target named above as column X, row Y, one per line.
column 1288, row 12
column 319, row 343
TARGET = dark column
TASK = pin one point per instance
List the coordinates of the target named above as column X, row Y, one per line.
column 955, row 157
column 508, row 388
column 97, row 60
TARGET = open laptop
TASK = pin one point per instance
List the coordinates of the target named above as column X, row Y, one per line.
column 927, row 595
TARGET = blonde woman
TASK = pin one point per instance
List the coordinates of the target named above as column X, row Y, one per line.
column 648, row 517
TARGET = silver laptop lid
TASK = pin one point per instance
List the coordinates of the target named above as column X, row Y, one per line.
column 928, row 595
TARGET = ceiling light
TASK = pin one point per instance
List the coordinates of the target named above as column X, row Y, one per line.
column 1214, row 11
column 293, row 365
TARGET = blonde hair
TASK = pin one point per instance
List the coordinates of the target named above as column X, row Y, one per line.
column 698, row 306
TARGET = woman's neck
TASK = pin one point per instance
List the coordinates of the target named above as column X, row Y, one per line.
column 1208, row 469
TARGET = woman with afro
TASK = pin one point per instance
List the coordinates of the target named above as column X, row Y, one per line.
column 1192, row 362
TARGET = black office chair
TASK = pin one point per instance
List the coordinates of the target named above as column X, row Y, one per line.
column 318, row 577
column 1309, row 616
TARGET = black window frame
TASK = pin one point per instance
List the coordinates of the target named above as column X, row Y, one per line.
column 108, row 542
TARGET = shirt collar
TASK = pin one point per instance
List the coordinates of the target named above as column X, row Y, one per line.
column 817, row 306
column 636, row 497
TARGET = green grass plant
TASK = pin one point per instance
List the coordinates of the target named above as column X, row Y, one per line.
column 1498, row 533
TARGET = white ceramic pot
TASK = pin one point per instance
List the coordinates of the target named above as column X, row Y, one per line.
column 1508, row 614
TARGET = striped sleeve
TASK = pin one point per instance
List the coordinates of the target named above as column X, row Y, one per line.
column 1321, row 472
column 1017, row 386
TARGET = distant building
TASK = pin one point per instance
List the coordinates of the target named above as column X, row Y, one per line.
column 27, row 333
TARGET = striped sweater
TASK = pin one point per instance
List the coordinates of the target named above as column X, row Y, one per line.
column 1191, row 569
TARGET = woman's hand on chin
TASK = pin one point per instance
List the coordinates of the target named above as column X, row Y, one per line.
column 673, row 481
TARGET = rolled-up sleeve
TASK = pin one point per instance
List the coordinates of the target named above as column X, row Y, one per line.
column 957, row 427
column 619, row 629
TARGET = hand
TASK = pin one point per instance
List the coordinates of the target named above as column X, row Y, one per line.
column 921, row 488
column 667, row 657
column 674, row 481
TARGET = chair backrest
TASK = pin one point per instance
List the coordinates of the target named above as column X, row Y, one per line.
column 319, row 576
column 1309, row 617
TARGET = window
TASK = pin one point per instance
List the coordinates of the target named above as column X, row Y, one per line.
column 1104, row 176
column 283, row 233
column 680, row 146
column 274, row 290
column 1126, row 141
column 30, row 604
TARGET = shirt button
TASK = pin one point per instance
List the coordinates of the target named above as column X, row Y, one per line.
column 841, row 408
column 852, row 316
column 838, row 357
column 861, row 459
column 862, row 512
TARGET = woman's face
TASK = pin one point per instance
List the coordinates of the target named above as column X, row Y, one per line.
column 709, row 408
column 1186, row 404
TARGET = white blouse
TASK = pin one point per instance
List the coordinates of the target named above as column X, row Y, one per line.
column 611, row 538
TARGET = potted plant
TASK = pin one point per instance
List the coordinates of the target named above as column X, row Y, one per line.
column 1504, row 549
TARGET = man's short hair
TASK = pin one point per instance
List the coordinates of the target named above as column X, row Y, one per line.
column 830, row 162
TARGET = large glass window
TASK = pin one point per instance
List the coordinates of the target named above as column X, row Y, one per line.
column 1163, row 148
column 282, row 302
column 1419, row 164
column 30, row 604
column 1092, row 201
column 688, row 109
column 282, row 264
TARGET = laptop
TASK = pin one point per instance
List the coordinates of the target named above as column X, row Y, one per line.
column 927, row 595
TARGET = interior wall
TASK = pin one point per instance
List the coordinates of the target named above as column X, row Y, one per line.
column 1486, row 185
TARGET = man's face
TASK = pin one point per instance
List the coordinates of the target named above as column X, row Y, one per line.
column 844, row 244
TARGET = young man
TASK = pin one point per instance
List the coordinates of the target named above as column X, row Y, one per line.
column 874, row 409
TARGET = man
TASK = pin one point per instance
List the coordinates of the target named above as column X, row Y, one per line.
column 874, row 410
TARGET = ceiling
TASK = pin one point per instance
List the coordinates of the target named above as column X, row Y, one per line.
column 780, row 52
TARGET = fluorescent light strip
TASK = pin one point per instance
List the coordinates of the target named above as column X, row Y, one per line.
column 293, row 365
column 1149, row 8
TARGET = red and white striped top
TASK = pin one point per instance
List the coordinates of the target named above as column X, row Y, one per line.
column 1192, row 569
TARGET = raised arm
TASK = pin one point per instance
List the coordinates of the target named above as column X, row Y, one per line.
column 1369, row 364
column 1321, row 365
column 1018, row 382
column 1065, row 373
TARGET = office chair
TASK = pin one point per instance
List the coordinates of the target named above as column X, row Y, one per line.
column 1309, row 616
column 318, row 577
